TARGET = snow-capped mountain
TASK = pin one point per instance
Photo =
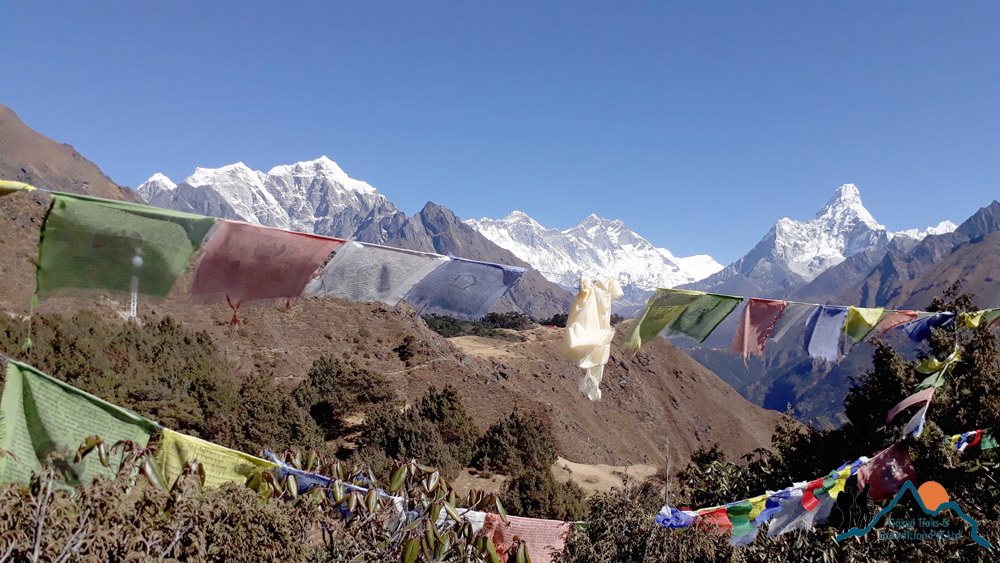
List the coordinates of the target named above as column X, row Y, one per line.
column 594, row 246
column 313, row 197
column 793, row 253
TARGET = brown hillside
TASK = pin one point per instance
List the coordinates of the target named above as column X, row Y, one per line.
column 656, row 395
column 976, row 264
column 30, row 157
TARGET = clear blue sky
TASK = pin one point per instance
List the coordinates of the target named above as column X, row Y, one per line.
column 697, row 123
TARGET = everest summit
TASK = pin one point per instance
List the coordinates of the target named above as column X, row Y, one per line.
column 596, row 245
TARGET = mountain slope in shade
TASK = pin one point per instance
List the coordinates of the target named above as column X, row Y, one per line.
column 794, row 253
column 319, row 197
column 595, row 246
column 30, row 157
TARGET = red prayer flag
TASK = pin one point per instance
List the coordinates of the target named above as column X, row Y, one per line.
column 886, row 472
column 894, row 319
column 544, row 538
column 716, row 520
column 757, row 322
column 921, row 397
column 809, row 500
column 245, row 262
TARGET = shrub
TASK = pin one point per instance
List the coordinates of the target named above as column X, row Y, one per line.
column 517, row 443
column 445, row 411
column 405, row 435
column 335, row 388
column 535, row 493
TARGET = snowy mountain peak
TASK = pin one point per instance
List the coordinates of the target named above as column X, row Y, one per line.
column 314, row 196
column 794, row 253
column 594, row 246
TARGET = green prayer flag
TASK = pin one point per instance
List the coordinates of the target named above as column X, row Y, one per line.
column 739, row 516
column 988, row 441
column 860, row 321
column 937, row 369
column 40, row 414
column 692, row 313
column 94, row 243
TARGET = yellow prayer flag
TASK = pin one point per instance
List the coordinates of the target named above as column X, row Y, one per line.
column 759, row 504
column 842, row 477
column 8, row 187
column 860, row 321
column 222, row 465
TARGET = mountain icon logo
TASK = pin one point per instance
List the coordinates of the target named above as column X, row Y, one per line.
column 930, row 496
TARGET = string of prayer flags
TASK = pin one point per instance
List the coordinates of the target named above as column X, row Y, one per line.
column 916, row 398
column 827, row 325
column 973, row 320
column 245, row 262
column 982, row 438
column 93, row 243
column 462, row 288
column 694, row 314
column 588, row 334
column 8, row 187
column 371, row 273
column 40, row 415
column 222, row 465
column 886, row 472
column 757, row 322
column 860, row 321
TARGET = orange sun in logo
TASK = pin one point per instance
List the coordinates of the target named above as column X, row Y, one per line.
column 933, row 494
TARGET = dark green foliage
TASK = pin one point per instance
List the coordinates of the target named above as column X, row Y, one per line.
column 335, row 388
column 165, row 372
column 535, row 493
column 488, row 327
column 267, row 417
column 406, row 350
column 445, row 411
column 405, row 435
column 557, row 320
column 515, row 444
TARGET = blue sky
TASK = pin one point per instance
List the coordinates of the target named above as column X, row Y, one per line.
column 697, row 123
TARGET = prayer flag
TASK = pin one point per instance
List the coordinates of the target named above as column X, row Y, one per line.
column 895, row 318
column 670, row 517
column 588, row 335
column 714, row 520
column 369, row 273
column 989, row 441
column 677, row 311
column 772, row 505
column 827, row 325
column 920, row 329
column 8, row 187
column 40, row 415
column 739, row 518
column 937, row 369
column 974, row 319
column 246, row 262
column 544, row 538
column 915, row 427
column 757, row 322
column 795, row 314
column 222, row 465
column 795, row 517
column 886, row 472
column 860, row 321
column 94, row 243
column 462, row 288
column 919, row 397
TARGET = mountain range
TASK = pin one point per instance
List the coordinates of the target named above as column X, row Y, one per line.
column 595, row 245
